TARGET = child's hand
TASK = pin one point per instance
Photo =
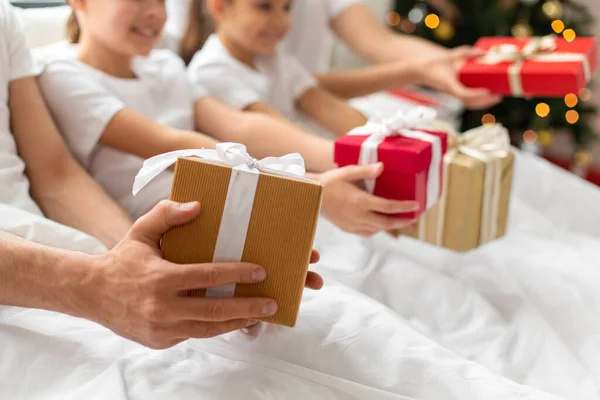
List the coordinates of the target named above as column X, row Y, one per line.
column 356, row 211
column 441, row 73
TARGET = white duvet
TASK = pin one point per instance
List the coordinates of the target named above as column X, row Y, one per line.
column 516, row 319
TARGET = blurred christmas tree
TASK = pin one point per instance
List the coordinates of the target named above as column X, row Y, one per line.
column 461, row 22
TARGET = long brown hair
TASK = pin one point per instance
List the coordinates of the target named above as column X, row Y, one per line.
column 199, row 27
column 73, row 29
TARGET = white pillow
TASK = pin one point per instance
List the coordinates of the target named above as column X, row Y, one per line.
column 44, row 25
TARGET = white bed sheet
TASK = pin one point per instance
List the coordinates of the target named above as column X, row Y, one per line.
column 398, row 319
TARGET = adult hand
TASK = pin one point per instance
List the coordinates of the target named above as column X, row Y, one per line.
column 442, row 73
column 357, row 211
column 134, row 292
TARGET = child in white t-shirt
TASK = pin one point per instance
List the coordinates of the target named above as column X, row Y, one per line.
column 397, row 59
column 243, row 66
column 118, row 101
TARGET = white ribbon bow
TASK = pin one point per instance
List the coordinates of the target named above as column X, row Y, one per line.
column 540, row 49
column 232, row 154
column 406, row 124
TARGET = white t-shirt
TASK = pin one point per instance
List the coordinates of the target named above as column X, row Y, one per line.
column 15, row 63
column 277, row 80
column 311, row 38
column 84, row 100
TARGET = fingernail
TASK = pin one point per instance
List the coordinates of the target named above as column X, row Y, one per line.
column 269, row 308
column 188, row 206
column 259, row 275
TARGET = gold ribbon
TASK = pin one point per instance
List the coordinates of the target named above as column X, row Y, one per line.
column 539, row 49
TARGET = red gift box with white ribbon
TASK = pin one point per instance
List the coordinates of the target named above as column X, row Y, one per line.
column 540, row 66
column 412, row 157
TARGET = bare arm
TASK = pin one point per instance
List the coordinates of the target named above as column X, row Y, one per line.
column 332, row 112
column 381, row 45
column 378, row 43
column 37, row 276
column 364, row 81
column 265, row 109
column 263, row 135
column 146, row 138
column 63, row 190
column 131, row 289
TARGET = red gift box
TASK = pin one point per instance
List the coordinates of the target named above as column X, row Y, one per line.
column 406, row 164
column 542, row 73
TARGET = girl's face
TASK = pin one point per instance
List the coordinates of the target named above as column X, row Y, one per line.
column 128, row 27
column 256, row 25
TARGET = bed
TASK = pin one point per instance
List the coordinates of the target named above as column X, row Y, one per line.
column 397, row 319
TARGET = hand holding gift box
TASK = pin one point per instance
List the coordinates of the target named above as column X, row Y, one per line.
column 473, row 209
column 262, row 212
column 411, row 155
column 539, row 66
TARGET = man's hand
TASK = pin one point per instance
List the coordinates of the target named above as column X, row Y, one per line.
column 356, row 211
column 441, row 73
column 133, row 291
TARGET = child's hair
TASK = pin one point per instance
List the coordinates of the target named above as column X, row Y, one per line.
column 199, row 28
column 73, row 29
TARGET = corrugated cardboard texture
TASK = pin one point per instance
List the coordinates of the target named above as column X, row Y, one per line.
column 464, row 203
column 280, row 233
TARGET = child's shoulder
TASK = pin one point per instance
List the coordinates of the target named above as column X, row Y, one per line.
column 212, row 53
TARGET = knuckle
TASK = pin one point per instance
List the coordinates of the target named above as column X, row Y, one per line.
column 217, row 311
column 154, row 311
column 163, row 205
column 212, row 276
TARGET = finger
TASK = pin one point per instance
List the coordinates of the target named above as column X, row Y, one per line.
column 254, row 330
column 164, row 216
column 214, row 309
column 314, row 281
column 385, row 206
column 315, row 257
column 205, row 330
column 465, row 52
column 386, row 223
column 211, row 275
column 353, row 173
column 473, row 98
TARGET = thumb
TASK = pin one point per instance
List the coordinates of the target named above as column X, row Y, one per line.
column 358, row 172
column 164, row 216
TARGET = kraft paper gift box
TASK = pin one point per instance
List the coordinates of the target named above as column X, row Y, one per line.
column 473, row 209
column 411, row 156
column 261, row 212
column 539, row 66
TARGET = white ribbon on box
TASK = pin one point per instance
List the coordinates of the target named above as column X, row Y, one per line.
column 539, row 49
column 488, row 143
column 240, row 194
column 406, row 124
